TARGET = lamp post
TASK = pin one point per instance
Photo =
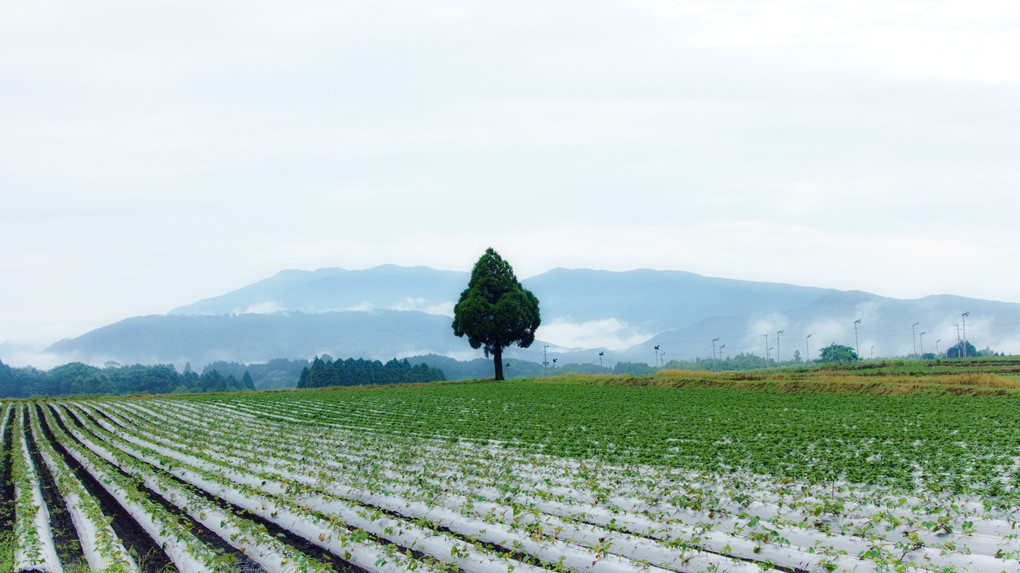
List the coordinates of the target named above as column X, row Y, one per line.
column 766, row 350
column 720, row 352
column 937, row 341
column 921, row 339
column 964, row 318
column 656, row 355
column 545, row 355
column 779, row 357
column 601, row 354
column 857, row 341
column 807, row 348
column 913, row 337
column 714, row 340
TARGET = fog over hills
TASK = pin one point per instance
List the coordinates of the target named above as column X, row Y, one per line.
column 391, row 311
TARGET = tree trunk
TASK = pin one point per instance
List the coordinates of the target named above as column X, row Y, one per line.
column 497, row 360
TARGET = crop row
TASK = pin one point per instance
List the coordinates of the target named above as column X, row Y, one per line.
column 662, row 516
column 561, row 478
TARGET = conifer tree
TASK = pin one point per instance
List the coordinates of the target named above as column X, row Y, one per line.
column 495, row 311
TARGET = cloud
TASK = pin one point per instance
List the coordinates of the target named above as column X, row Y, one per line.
column 267, row 307
column 950, row 39
column 609, row 333
column 421, row 305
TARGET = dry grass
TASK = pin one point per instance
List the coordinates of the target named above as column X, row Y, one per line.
column 815, row 381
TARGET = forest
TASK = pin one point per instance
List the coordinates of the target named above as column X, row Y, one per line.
column 360, row 372
column 78, row 379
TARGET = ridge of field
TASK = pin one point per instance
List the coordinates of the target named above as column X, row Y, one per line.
column 975, row 377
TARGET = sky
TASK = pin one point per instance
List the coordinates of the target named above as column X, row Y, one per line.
column 153, row 154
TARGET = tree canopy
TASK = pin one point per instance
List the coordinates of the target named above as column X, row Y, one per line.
column 838, row 353
column 495, row 311
column 961, row 349
column 325, row 371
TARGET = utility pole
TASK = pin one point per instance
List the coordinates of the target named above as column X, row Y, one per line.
column 964, row 345
column 545, row 356
column 766, row 350
column 600, row 358
column 913, row 337
column 921, row 337
column 937, row 341
column 779, row 357
column 657, row 356
column 714, row 340
column 857, row 340
column 807, row 348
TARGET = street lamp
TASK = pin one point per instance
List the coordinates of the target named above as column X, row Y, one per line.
column 937, row 341
column 807, row 349
column 913, row 337
column 766, row 350
column 601, row 354
column 714, row 340
column 779, row 358
column 545, row 356
column 857, row 341
column 921, row 338
column 656, row 355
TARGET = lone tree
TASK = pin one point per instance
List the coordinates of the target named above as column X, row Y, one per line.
column 495, row 311
column 838, row 353
column 960, row 350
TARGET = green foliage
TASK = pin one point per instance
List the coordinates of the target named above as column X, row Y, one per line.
column 633, row 368
column 495, row 311
column 275, row 374
column 961, row 350
column 742, row 361
column 77, row 379
column 838, row 353
column 7, row 548
column 325, row 372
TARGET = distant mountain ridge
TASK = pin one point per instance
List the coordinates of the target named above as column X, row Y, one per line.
column 391, row 311
column 336, row 289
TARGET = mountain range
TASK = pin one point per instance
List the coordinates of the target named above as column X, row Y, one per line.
column 391, row 311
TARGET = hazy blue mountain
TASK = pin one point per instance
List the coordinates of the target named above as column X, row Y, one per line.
column 335, row 289
column 886, row 329
column 299, row 314
column 377, row 335
column 657, row 299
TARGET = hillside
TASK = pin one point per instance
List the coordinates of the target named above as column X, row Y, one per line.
column 392, row 311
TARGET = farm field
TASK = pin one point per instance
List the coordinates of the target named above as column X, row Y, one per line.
column 582, row 474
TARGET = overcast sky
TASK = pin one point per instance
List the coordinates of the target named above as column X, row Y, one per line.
column 156, row 153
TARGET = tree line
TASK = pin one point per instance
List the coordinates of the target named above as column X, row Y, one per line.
column 78, row 379
column 359, row 372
